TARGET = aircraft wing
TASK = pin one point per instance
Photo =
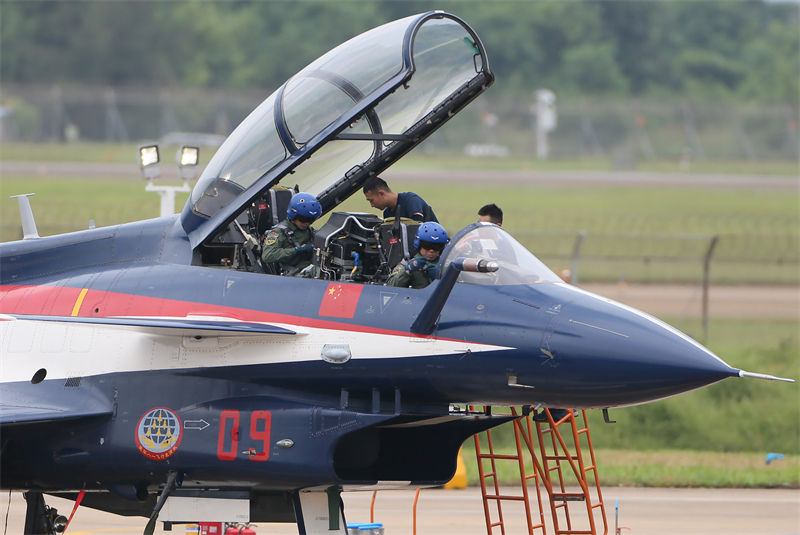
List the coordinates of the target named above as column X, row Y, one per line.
column 189, row 326
column 18, row 405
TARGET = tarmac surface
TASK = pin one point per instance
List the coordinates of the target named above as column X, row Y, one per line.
column 685, row 301
column 642, row 511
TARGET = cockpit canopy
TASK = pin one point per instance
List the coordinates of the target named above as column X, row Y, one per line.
column 347, row 116
column 517, row 265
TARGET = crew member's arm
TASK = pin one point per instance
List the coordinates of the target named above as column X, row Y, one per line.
column 412, row 274
column 418, row 209
column 399, row 277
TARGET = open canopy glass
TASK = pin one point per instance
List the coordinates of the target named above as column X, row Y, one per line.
column 348, row 115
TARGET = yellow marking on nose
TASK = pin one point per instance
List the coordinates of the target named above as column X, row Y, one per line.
column 79, row 301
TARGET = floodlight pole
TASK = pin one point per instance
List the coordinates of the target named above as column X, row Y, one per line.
column 167, row 194
column 706, row 280
column 544, row 108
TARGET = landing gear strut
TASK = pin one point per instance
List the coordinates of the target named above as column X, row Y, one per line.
column 40, row 519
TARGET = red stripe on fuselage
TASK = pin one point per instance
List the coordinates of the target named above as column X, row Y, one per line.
column 59, row 301
column 50, row 300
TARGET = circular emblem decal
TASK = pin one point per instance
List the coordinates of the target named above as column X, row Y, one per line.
column 272, row 237
column 158, row 433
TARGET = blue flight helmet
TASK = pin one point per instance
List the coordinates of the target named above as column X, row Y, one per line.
column 303, row 204
column 432, row 233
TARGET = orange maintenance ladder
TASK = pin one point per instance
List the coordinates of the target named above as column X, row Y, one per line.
column 557, row 462
column 493, row 457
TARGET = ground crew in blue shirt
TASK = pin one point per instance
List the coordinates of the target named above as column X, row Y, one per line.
column 290, row 242
column 491, row 213
column 421, row 270
column 408, row 204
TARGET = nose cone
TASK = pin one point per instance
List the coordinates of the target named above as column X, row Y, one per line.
column 624, row 356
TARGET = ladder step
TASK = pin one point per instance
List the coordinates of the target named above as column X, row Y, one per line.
column 502, row 497
column 561, row 457
column 503, row 457
column 569, row 497
column 582, row 431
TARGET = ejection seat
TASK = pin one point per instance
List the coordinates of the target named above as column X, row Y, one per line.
column 397, row 241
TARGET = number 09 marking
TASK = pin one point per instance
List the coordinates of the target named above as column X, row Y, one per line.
column 228, row 439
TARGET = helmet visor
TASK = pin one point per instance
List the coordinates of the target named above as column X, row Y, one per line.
column 430, row 245
column 304, row 219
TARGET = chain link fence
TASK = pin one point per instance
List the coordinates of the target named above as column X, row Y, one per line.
column 624, row 131
column 668, row 258
column 589, row 256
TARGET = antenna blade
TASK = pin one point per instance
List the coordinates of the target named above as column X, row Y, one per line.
column 29, row 231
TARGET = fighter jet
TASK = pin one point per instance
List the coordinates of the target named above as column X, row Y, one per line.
column 161, row 369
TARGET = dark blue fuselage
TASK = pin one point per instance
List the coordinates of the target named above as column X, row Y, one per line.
column 572, row 347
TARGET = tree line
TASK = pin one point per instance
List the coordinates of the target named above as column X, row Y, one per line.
column 737, row 50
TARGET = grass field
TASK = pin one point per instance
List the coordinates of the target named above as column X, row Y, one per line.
column 599, row 209
column 651, row 234
column 67, row 204
column 665, row 468
column 638, row 234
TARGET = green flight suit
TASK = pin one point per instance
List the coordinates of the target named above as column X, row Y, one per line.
column 280, row 245
column 402, row 277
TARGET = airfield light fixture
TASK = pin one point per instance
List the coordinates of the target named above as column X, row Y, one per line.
column 148, row 161
column 188, row 158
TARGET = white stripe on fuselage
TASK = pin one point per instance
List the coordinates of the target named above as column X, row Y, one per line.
column 80, row 349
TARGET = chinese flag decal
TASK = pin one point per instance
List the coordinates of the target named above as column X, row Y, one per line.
column 340, row 300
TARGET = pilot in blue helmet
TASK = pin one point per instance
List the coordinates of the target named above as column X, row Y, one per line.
column 290, row 243
column 423, row 268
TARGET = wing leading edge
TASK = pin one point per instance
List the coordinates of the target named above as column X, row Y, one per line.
column 190, row 326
